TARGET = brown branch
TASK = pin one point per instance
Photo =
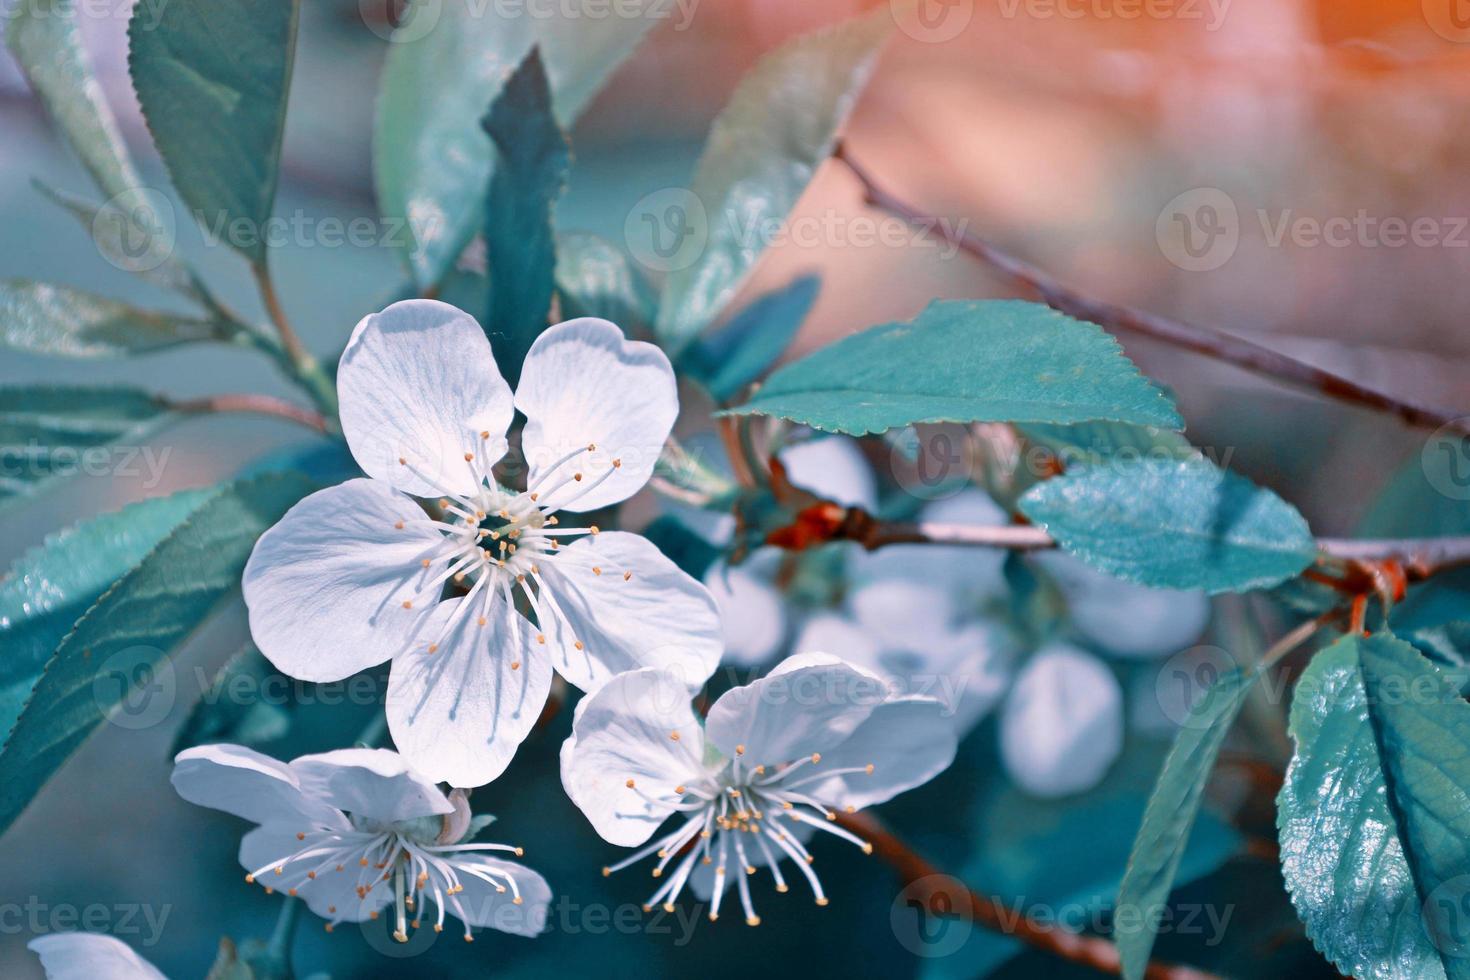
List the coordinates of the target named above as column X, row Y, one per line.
column 271, row 300
column 252, row 404
column 964, row 902
column 1229, row 348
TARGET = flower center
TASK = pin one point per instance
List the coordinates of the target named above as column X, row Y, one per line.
column 739, row 812
column 382, row 865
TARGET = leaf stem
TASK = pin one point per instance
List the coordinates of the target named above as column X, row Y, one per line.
column 279, row 947
column 928, row 882
column 302, row 364
column 252, row 404
column 1217, row 344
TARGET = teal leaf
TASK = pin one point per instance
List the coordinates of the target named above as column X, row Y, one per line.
column 1170, row 815
column 129, row 233
column 753, row 340
column 212, row 77
column 114, row 663
column 431, row 159
column 1342, row 855
column 47, row 433
column 1174, row 525
column 1428, row 497
column 965, row 361
column 596, row 278
column 50, row 587
column 220, row 715
column 44, row 37
column 1423, row 729
column 41, row 318
column 763, row 150
column 531, row 170
column 1087, row 442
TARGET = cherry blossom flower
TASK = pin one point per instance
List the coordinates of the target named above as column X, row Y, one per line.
column 1061, row 728
column 768, row 771
column 353, row 575
column 356, row 831
column 90, row 956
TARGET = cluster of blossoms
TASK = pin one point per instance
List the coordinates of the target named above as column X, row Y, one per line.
column 477, row 592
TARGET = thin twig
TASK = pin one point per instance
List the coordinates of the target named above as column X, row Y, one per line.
column 254, row 405
column 991, row 913
column 271, row 300
column 1217, row 344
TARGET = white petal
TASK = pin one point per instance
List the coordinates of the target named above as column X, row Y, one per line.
column 326, row 585
column 374, row 783
column 90, row 956
column 752, row 615
column 657, row 616
column 584, row 385
column 332, row 894
column 482, row 906
column 907, row 740
column 970, row 673
column 1128, row 620
column 834, row 468
column 1062, row 726
column 248, row 784
column 624, row 731
column 809, row 703
column 419, row 382
column 461, row 712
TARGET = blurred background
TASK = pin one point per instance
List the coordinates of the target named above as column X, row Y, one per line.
column 1237, row 163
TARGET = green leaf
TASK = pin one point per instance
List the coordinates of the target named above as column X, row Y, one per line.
column 762, row 152
column 50, row 587
column 221, row 716
column 40, row 318
column 1423, row 729
column 1428, row 497
column 212, row 77
column 50, row 433
column 596, row 278
column 1341, row 855
column 531, row 170
column 965, row 361
column 47, row 45
column 747, row 346
column 1170, row 815
column 123, row 641
column 431, row 159
column 1088, row 442
column 1174, row 525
